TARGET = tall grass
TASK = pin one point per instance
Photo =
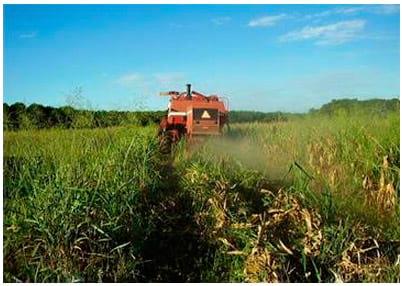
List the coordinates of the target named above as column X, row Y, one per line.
column 287, row 201
column 71, row 200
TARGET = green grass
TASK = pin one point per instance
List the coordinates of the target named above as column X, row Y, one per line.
column 266, row 202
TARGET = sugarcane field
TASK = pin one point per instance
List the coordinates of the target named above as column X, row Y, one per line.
column 257, row 143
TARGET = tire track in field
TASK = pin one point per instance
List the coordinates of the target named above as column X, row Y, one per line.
column 175, row 250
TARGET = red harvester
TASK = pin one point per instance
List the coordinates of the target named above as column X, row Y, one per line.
column 192, row 113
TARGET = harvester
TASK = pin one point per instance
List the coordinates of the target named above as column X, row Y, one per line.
column 191, row 113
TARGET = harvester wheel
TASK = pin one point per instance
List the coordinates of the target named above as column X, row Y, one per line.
column 165, row 143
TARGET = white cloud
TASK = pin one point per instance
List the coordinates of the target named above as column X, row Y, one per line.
column 168, row 78
column 221, row 20
column 348, row 10
column 266, row 21
column 28, row 35
column 130, row 79
column 138, row 80
column 332, row 34
column 353, row 10
column 318, row 15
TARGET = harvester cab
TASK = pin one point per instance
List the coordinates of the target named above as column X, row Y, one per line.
column 192, row 113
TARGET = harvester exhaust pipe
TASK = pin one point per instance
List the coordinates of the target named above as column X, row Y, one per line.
column 188, row 91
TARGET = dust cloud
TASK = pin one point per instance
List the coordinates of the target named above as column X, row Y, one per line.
column 267, row 159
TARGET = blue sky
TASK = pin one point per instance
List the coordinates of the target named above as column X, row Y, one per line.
column 262, row 57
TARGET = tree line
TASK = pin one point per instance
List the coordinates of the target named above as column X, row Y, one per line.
column 18, row 116
column 355, row 106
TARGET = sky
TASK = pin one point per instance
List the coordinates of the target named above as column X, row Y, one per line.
column 261, row 57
